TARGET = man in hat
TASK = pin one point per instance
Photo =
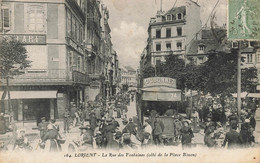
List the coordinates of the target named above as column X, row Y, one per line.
column 232, row 137
column 107, row 131
column 86, row 138
column 113, row 141
column 246, row 137
column 43, row 127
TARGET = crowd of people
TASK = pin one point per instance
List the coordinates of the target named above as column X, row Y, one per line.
column 223, row 125
column 104, row 124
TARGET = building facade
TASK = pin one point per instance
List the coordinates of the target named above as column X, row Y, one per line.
column 128, row 76
column 64, row 41
column 170, row 32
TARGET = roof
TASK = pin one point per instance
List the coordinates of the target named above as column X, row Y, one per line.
column 176, row 10
column 129, row 68
column 210, row 44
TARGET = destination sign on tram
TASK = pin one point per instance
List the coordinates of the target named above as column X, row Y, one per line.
column 159, row 81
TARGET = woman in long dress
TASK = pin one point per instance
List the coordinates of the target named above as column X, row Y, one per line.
column 51, row 140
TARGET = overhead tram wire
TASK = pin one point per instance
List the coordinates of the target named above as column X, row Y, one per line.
column 205, row 23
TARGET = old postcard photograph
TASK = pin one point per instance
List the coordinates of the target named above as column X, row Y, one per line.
column 129, row 81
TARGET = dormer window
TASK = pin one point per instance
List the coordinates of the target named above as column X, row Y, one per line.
column 179, row 16
column 201, row 48
column 168, row 17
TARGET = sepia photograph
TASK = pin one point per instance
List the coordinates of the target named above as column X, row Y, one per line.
column 129, row 81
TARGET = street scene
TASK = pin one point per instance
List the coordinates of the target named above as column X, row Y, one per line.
column 87, row 75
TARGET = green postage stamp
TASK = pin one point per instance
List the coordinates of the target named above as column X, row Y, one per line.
column 244, row 19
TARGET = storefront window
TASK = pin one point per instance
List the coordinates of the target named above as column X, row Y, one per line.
column 36, row 19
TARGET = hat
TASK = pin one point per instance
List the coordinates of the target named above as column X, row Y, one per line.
column 109, row 120
column 130, row 119
column 85, row 127
column 148, row 120
column 187, row 120
column 118, row 134
column 98, row 133
column 43, row 118
column 247, row 120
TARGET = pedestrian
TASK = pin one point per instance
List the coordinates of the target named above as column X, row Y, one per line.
column 86, row 138
column 246, row 137
column 130, row 127
column 43, row 127
column 209, row 138
column 186, row 134
column 93, row 120
column 55, row 125
column 50, row 140
column 21, row 141
column 252, row 121
column 158, row 131
column 66, row 121
column 148, row 127
column 73, row 111
column 232, row 138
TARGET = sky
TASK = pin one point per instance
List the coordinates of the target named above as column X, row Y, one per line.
column 129, row 20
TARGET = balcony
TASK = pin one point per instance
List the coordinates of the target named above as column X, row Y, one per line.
column 164, row 53
column 49, row 77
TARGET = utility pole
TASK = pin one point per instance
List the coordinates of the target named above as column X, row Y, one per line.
column 239, row 82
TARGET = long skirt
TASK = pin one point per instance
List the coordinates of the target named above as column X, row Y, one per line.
column 52, row 146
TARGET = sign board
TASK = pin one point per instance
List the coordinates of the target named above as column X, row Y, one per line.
column 161, row 96
column 159, row 81
column 28, row 39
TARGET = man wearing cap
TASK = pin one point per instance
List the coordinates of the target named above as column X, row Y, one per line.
column 157, row 131
column 130, row 127
column 43, row 127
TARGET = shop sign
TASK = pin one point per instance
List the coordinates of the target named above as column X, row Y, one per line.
column 28, row 39
column 75, row 46
column 159, row 81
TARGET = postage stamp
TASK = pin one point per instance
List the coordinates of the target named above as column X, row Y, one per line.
column 244, row 19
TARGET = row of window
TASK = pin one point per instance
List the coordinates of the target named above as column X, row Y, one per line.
column 169, row 46
column 178, row 16
column 74, row 28
column 35, row 17
column 249, row 58
column 169, row 32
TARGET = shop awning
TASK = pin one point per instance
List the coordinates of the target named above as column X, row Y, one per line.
column 161, row 94
column 255, row 95
column 32, row 94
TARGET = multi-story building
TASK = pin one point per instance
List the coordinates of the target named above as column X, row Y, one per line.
column 52, row 31
column 128, row 76
column 169, row 33
column 64, row 41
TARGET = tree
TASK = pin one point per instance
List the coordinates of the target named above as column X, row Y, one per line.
column 13, row 58
column 148, row 71
column 219, row 75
